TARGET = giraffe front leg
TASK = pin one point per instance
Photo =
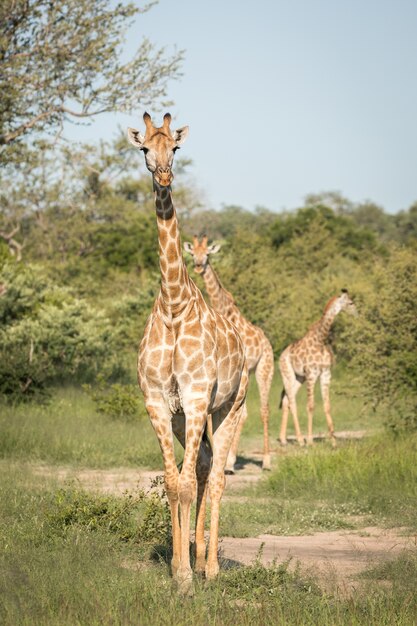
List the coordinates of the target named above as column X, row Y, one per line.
column 161, row 422
column 203, row 471
column 225, row 423
column 195, row 420
column 310, row 408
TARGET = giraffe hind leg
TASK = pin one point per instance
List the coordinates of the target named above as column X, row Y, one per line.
column 292, row 383
column 325, row 394
column 264, row 373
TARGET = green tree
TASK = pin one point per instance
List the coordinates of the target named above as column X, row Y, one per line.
column 383, row 342
column 64, row 60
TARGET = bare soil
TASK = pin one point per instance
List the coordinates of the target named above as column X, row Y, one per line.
column 336, row 556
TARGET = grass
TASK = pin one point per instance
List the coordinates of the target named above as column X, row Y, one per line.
column 348, row 410
column 322, row 488
column 69, row 430
column 63, row 563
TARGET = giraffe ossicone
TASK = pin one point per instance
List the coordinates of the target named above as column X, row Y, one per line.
column 306, row 360
column 258, row 350
column 192, row 371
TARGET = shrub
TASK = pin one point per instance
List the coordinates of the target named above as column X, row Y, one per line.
column 385, row 340
column 116, row 401
column 142, row 517
column 48, row 335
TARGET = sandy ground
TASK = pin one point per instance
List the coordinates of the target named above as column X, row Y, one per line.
column 337, row 556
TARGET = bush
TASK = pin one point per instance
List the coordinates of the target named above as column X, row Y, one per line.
column 116, row 401
column 143, row 517
column 384, row 340
column 49, row 336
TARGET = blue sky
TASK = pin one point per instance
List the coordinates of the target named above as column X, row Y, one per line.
column 284, row 98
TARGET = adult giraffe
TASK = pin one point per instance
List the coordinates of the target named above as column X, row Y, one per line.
column 306, row 360
column 191, row 369
column 258, row 350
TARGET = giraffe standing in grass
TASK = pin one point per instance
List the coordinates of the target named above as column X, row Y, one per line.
column 192, row 371
column 258, row 350
column 307, row 359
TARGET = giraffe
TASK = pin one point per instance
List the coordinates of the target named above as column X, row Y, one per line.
column 307, row 359
column 192, row 372
column 258, row 350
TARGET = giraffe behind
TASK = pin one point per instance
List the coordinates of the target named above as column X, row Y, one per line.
column 306, row 360
column 258, row 350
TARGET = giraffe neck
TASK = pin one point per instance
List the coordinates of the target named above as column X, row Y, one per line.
column 325, row 324
column 175, row 281
column 217, row 294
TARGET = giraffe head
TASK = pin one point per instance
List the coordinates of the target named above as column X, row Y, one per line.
column 159, row 146
column 200, row 251
column 343, row 302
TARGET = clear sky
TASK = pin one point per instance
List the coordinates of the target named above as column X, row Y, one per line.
column 284, row 98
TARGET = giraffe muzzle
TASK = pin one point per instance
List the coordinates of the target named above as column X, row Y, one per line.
column 163, row 176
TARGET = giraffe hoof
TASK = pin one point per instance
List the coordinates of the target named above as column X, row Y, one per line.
column 184, row 580
column 200, row 566
column 212, row 571
column 310, row 441
column 283, row 442
column 266, row 463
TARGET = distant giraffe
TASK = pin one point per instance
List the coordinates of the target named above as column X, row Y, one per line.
column 306, row 360
column 192, row 371
column 258, row 350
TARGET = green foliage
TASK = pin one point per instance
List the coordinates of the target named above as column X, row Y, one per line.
column 141, row 517
column 323, row 232
column 69, row 53
column 385, row 339
column 257, row 583
column 48, row 335
column 116, row 401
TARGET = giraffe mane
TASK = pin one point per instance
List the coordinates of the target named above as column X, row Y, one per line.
column 330, row 304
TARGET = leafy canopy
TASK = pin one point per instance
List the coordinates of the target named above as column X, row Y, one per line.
column 64, row 60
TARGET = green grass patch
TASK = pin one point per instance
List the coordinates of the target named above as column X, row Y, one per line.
column 72, row 430
column 68, row 558
column 348, row 409
column 372, row 481
column 69, row 430
column 376, row 475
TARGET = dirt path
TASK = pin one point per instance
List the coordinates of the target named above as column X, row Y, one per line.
column 335, row 556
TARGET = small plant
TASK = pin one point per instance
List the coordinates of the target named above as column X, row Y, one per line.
column 142, row 517
column 117, row 401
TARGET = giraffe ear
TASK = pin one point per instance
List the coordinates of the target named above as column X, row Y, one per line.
column 213, row 248
column 135, row 137
column 180, row 135
column 188, row 247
